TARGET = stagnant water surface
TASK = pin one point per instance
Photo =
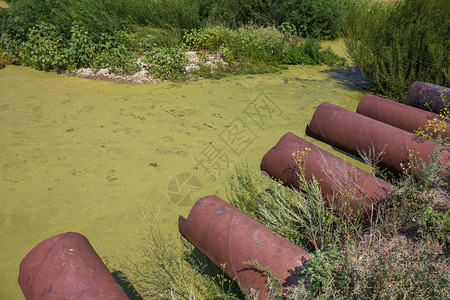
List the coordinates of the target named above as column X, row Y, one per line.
column 95, row 157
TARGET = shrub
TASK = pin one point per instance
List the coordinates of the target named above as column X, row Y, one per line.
column 420, row 206
column 147, row 37
column 310, row 52
column 312, row 18
column 315, row 18
column 115, row 52
column 259, row 45
column 97, row 16
column 81, row 49
column 166, row 63
column 397, row 43
column 182, row 14
column 44, row 50
column 385, row 269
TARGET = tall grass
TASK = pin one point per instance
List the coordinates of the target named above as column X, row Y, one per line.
column 355, row 260
column 301, row 217
column 397, row 43
column 168, row 267
column 405, row 254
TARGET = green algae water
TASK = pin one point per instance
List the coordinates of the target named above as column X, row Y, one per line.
column 95, row 157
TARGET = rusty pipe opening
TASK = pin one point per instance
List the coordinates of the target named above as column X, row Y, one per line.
column 66, row 266
column 229, row 237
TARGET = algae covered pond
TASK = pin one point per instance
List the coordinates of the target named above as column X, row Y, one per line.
column 96, row 157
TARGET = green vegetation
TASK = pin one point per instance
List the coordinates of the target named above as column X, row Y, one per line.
column 250, row 36
column 392, row 43
column 397, row 43
column 437, row 125
column 351, row 259
column 171, row 268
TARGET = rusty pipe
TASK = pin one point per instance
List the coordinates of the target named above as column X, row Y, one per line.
column 66, row 266
column 403, row 116
column 335, row 176
column 229, row 237
column 428, row 96
column 355, row 133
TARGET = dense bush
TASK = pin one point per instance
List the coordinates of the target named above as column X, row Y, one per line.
column 313, row 18
column 166, row 63
column 64, row 35
column 397, row 43
column 43, row 50
column 310, row 17
column 268, row 45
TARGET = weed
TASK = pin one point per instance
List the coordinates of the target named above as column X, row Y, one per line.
column 436, row 129
column 115, row 53
column 300, row 216
column 169, row 267
column 397, row 43
column 385, row 269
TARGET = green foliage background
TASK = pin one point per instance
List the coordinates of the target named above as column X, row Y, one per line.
column 397, row 43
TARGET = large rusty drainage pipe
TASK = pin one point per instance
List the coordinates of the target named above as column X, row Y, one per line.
column 335, row 176
column 428, row 96
column 403, row 116
column 66, row 266
column 229, row 237
column 355, row 133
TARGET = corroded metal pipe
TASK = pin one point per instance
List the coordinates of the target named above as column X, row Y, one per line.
column 355, row 133
column 229, row 237
column 66, row 266
column 335, row 176
column 403, row 116
column 428, row 96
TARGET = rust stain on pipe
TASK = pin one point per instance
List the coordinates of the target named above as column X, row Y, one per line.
column 421, row 93
column 228, row 236
column 351, row 132
column 403, row 116
column 335, row 176
column 66, row 266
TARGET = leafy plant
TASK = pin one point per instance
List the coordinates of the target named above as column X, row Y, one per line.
column 44, row 50
column 81, row 49
column 166, row 63
column 115, row 53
